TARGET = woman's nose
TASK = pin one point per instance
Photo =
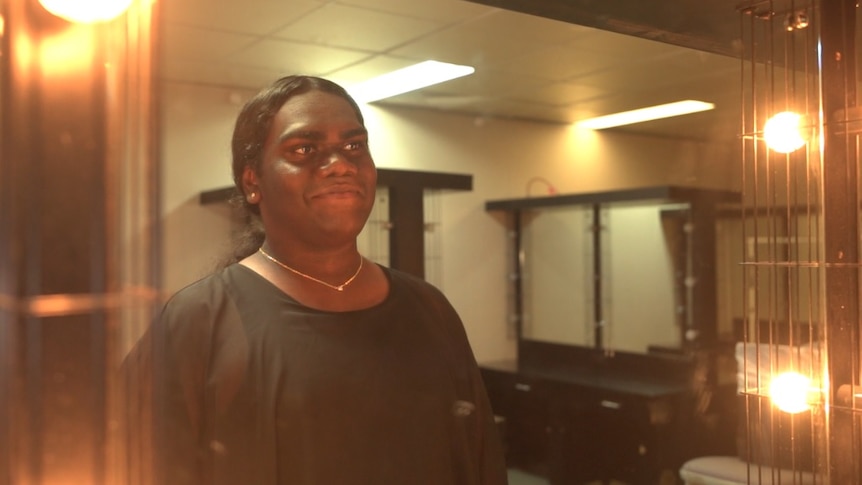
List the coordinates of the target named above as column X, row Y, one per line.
column 335, row 161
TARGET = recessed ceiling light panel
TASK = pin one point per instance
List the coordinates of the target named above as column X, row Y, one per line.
column 407, row 79
column 646, row 114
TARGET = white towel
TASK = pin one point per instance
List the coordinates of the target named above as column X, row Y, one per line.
column 757, row 363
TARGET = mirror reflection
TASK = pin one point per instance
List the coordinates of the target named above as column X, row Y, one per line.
column 505, row 124
column 648, row 307
column 640, row 286
column 635, row 276
column 558, row 264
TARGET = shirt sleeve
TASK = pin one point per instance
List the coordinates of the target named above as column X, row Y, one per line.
column 163, row 378
column 486, row 445
column 489, row 450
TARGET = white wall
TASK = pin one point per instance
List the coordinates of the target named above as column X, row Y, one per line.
column 501, row 155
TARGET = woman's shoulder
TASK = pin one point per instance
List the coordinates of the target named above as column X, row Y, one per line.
column 202, row 295
column 198, row 288
column 421, row 290
column 400, row 278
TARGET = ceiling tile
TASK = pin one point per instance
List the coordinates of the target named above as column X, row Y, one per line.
column 469, row 43
column 217, row 74
column 623, row 47
column 335, row 25
column 487, row 83
column 182, row 42
column 256, row 17
column 295, row 58
column 368, row 68
column 521, row 110
column 528, row 28
column 437, row 10
column 559, row 94
column 557, row 62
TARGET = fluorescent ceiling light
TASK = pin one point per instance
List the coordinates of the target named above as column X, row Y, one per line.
column 407, row 79
column 646, row 114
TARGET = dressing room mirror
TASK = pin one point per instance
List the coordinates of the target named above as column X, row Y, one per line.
column 586, row 283
column 533, row 75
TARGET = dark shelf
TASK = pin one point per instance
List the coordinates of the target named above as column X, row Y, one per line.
column 668, row 193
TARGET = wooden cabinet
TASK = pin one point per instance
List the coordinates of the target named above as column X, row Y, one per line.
column 524, row 402
column 591, row 423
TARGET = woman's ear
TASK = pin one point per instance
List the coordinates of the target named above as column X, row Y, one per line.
column 250, row 186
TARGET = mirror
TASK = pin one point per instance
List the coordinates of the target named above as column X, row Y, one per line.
column 649, row 265
column 558, row 290
column 630, row 270
column 610, row 276
column 215, row 53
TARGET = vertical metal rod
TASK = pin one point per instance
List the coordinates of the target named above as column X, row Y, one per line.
column 598, row 314
column 518, row 275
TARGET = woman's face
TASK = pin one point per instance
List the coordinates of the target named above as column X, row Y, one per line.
column 317, row 180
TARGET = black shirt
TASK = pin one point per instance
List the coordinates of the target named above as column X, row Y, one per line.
column 251, row 387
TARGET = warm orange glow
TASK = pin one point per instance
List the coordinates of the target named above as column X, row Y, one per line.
column 789, row 392
column 23, row 49
column 86, row 11
column 784, row 132
column 68, row 52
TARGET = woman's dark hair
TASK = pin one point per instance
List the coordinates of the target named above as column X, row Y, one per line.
column 249, row 138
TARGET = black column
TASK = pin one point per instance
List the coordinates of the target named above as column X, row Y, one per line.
column 406, row 212
column 841, row 228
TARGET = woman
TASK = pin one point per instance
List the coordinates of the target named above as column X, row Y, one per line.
column 301, row 362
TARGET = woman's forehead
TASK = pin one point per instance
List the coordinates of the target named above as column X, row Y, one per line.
column 317, row 105
column 315, row 112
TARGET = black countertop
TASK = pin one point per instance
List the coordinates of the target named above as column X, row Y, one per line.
column 613, row 380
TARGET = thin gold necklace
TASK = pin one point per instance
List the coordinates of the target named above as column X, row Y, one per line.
column 312, row 278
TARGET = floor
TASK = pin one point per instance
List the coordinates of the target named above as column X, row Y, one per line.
column 517, row 477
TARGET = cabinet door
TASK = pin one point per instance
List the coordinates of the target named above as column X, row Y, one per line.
column 523, row 403
column 571, row 453
column 609, row 438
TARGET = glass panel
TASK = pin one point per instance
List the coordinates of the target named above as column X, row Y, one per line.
column 373, row 241
column 645, row 268
column 433, row 237
column 557, row 245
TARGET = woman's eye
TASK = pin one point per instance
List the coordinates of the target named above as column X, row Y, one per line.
column 304, row 150
column 354, row 145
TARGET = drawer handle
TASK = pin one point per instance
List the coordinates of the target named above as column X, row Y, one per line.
column 523, row 387
column 610, row 404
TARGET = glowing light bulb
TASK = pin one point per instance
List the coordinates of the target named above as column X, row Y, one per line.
column 783, row 132
column 86, row 11
column 789, row 392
